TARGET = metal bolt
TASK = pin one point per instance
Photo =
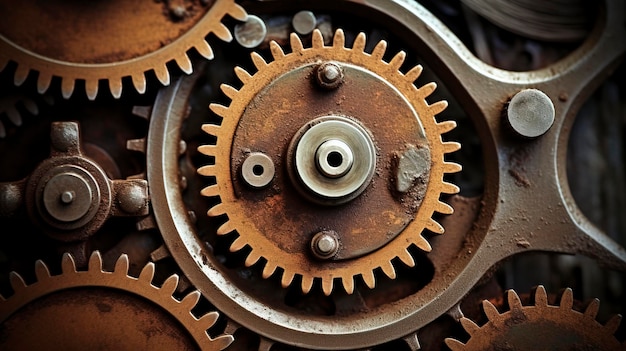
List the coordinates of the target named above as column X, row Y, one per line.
column 329, row 75
column 325, row 244
column 304, row 22
column 132, row 198
column 258, row 170
column 334, row 158
column 250, row 33
column 530, row 113
column 67, row 197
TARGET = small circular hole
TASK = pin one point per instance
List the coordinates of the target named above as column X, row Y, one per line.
column 334, row 159
column 258, row 170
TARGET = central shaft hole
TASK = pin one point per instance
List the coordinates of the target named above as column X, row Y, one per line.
column 334, row 159
column 258, row 170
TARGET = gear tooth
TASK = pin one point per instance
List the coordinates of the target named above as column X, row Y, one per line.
column 95, row 261
column 231, row 327
column 67, row 264
column 592, row 308
column 286, row 279
column 613, row 324
column 268, row 270
column 307, row 284
column 208, row 320
column 142, row 111
column 160, row 253
column 339, row 40
column 490, row 310
column 21, row 74
column 425, row 91
column 444, row 208
column 397, row 61
column 211, row 129
column 216, row 210
column 218, row 109
column 205, row 50
column 446, row 126
column 454, row 344
column 115, row 86
column 207, row 170
column 434, row 226
column 438, row 107
column 163, row 74
column 327, row 285
column 226, row 228
column 541, row 298
column 31, row 106
column 449, row 188
column 242, row 74
column 265, row 344
column 422, row 243
column 41, row 270
column 17, row 282
column 169, row 285
column 190, row 301
column 14, row 116
column 252, row 258
column 43, row 82
column 222, row 32
column 208, row 150
column 139, row 81
column 451, row 146
column 388, row 269
column 91, row 87
column 469, row 326
column 258, row 60
column 359, row 42
column 67, row 87
column 184, row 63
column 211, row 190
column 317, row 40
column 122, row 264
column 406, row 258
column 238, row 244
column 147, row 273
column 222, row 342
column 296, row 43
column 369, row 279
column 348, row 284
column 277, row 51
column 229, row 91
column 414, row 73
column 412, row 341
column 513, row 299
column 3, row 63
column 567, row 299
column 138, row 145
column 379, row 50
column 237, row 12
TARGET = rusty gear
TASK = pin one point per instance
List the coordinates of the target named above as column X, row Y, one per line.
column 117, row 40
column 282, row 239
column 540, row 326
column 31, row 319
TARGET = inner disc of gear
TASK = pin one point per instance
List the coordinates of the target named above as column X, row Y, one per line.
column 310, row 233
column 540, row 326
column 108, row 40
column 82, row 310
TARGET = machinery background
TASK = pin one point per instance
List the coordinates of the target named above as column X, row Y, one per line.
column 111, row 158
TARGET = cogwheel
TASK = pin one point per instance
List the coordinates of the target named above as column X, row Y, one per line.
column 540, row 326
column 117, row 39
column 318, row 181
column 78, row 310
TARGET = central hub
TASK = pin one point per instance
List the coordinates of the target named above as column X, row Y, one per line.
column 332, row 160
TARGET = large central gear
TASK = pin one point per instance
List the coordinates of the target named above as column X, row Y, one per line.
column 320, row 182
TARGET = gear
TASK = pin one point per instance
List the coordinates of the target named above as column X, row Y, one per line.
column 80, row 309
column 374, row 172
column 123, row 39
column 540, row 326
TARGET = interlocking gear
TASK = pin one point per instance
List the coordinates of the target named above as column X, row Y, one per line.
column 117, row 39
column 83, row 309
column 540, row 326
column 363, row 182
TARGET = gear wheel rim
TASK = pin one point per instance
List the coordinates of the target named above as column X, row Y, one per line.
column 561, row 317
column 118, row 279
column 252, row 84
column 113, row 72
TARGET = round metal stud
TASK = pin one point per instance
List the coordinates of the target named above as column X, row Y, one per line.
column 325, row 244
column 304, row 22
column 251, row 33
column 334, row 158
column 258, row 170
column 329, row 75
column 530, row 113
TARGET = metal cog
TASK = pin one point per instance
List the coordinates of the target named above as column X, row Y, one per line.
column 72, row 62
column 540, row 326
column 249, row 225
column 34, row 305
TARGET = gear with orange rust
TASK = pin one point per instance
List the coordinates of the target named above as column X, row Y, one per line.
column 329, row 163
column 108, row 41
column 540, row 326
column 80, row 310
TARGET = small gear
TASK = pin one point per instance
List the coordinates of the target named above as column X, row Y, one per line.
column 362, row 178
column 82, row 309
column 540, row 326
column 117, row 39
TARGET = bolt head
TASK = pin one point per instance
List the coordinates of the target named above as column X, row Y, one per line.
column 325, row 244
column 329, row 75
column 530, row 113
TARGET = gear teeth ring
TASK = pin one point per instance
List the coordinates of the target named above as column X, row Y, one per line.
column 118, row 279
column 260, row 245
